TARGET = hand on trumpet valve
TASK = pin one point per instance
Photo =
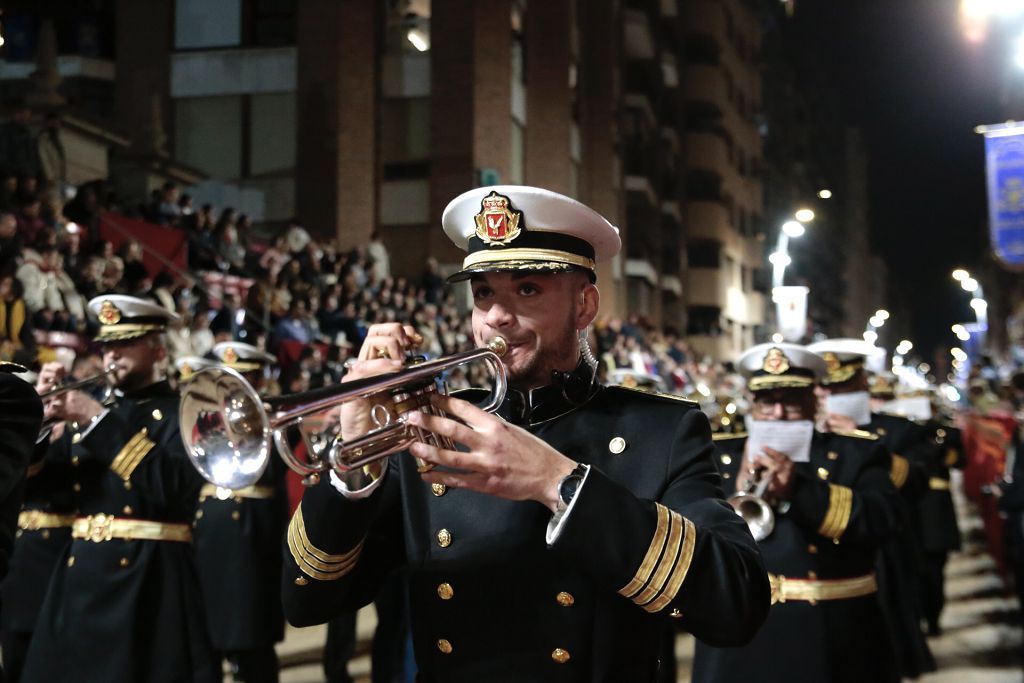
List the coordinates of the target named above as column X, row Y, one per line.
column 771, row 463
column 50, row 376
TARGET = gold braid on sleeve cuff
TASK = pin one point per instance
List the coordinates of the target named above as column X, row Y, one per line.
column 666, row 563
column 900, row 469
column 840, row 504
column 132, row 454
column 313, row 562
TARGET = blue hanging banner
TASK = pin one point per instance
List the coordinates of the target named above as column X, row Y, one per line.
column 1004, row 172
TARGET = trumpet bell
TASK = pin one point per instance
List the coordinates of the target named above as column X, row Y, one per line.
column 757, row 513
column 224, row 428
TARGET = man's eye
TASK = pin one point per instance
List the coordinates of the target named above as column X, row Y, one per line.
column 481, row 293
column 527, row 290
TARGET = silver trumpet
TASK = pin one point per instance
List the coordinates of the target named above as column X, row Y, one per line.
column 752, row 507
column 101, row 379
column 227, row 426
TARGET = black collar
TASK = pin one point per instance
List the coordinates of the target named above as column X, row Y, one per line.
column 566, row 392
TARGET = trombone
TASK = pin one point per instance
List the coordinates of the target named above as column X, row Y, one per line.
column 227, row 426
column 751, row 505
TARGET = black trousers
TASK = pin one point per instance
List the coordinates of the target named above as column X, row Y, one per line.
column 256, row 665
column 15, row 647
column 933, row 589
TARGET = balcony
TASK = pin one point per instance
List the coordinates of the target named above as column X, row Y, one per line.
column 707, row 221
column 709, row 152
column 706, row 83
column 705, row 287
column 706, row 18
column 637, row 37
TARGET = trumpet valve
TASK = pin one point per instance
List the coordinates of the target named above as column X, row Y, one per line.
column 498, row 345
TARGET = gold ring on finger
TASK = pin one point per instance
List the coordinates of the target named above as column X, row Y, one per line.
column 382, row 352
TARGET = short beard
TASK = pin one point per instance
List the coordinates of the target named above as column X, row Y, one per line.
column 537, row 370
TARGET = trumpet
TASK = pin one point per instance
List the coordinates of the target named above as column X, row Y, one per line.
column 227, row 427
column 752, row 507
column 97, row 380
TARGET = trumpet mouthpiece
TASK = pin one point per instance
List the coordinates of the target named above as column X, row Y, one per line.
column 498, row 345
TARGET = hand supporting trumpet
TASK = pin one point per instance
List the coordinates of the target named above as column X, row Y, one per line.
column 500, row 459
column 68, row 406
column 777, row 465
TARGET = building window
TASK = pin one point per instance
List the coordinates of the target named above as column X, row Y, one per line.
column 704, row 320
column 204, row 24
column 272, row 133
column 208, row 135
column 703, row 254
column 270, row 23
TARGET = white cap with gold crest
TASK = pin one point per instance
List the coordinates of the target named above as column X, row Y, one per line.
column 190, row 365
column 515, row 227
column 843, row 357
column 242, row 357
column 780, row 366
column 127, row 317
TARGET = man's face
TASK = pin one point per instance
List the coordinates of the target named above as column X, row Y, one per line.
column 539, row 315
column 783, row 404
column 8, row 226
column 135, row 361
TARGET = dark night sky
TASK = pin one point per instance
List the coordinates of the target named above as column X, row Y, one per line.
column 905, row 74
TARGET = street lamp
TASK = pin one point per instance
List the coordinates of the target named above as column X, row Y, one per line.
column 825, row 194
column 804, row 215
column 780, row 257
column 978, row 303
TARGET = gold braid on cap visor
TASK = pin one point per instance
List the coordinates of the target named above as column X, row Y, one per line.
column 499, row 255
column 779, row 382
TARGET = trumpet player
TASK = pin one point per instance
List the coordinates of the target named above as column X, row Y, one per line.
column 124, row 604
column 564, row 533
column 238, row 548
column 832, row 505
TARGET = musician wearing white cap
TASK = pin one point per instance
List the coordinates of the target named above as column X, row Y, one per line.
column 569, row 530
column 829, row 505
column 238, row 548
column 124, row 602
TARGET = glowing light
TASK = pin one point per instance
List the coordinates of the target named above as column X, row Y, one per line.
column 924, row 367
column 419, row 39
column 897, row 361
column 730, row 408
column 958, row 353
column 804, row 215
column 951, row 393
column 870, row 336
column 703, row 389
column 882, row 313
column 793, row 228
column 825, row 194
column 779, row 259
column 979, row 305
column 777, row 338
column 957, row 328
column 963, row 335
column 875, row 321
column 969, row 284
column 960, row 275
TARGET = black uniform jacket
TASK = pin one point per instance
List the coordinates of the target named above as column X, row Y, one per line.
column 901, row 556
column 21, row 413
column 36, row 551
column 648, row 537
column 127, row 610
column 936, row 514
column 842, row 507
column 238, row 552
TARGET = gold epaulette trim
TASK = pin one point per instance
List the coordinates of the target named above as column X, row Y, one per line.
column 723, row 436
column 840, row 504
column 938, row 484
column 664, row 567
column 671, row 397
column 313, row 562
column 899, row 470
column 132, row 454
column 813, row 590
column 952, row 455
column 858, row 434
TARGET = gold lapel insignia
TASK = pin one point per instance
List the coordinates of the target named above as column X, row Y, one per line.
column 775, row 361
column 498, row 222
column 109, row 313
column 230, row 356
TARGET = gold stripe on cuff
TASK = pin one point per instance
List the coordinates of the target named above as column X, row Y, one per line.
column 665, row 564
column 132, row 454
column 682, row 568
column 653, row 553
column 899, row 470
column 840, row 504
column 316, row 563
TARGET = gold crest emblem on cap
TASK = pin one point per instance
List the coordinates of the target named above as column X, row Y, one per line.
column 775, row 361
column 109, row 313
column 230, row 356
column 497, row 222
column 831, row 361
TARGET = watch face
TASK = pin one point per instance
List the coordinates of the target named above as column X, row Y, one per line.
column 568, row 488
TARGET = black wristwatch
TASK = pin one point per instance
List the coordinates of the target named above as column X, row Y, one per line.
column 570, row 483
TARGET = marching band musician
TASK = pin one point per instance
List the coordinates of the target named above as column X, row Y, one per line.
column 569, row 529
column 44, row 530
column 238, row 548
column 21, row 415
column 124, row 602
column 846, row 393
column 833, row 506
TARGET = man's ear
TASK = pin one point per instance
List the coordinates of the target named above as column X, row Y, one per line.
column 590, row 302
